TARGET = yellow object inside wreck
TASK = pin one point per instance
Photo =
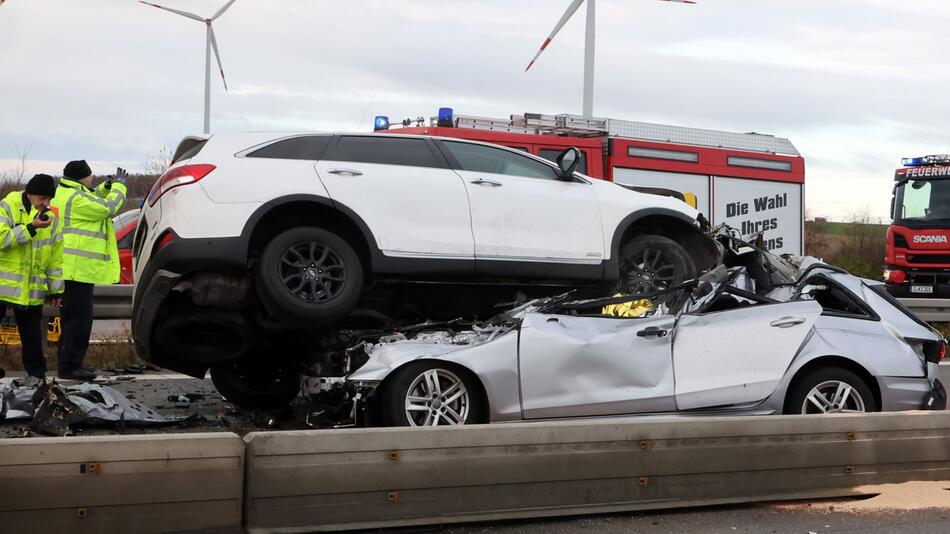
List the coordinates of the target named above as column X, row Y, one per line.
column 633, row 308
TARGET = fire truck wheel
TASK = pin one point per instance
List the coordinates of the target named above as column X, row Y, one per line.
column 309, row 274
column 650, row 263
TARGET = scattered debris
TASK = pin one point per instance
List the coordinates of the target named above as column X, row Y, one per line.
column 54, row 409
column 187, row 397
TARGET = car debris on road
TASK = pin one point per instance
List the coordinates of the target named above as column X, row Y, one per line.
column 56, row 409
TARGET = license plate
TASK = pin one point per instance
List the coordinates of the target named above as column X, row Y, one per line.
column 921, row 289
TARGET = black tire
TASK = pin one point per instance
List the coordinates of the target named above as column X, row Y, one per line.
column 470, row 408
column 861, row 397
column 650, row 263
column 309, row 274
column 257, row 384
column 206, row 335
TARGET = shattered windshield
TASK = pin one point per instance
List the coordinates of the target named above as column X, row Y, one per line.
column 922, row 200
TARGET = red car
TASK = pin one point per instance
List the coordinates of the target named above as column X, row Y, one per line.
column 124, row 232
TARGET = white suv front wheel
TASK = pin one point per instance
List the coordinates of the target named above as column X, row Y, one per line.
column 309, row 274
column 651, row 263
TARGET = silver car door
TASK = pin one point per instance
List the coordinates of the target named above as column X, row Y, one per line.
column 583, row 366
column 738, row 356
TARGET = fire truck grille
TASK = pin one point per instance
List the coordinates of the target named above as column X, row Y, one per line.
column 929, row 278
column 919, row 259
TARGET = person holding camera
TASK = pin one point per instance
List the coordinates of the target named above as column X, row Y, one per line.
column 90, row 256
column 31, row 265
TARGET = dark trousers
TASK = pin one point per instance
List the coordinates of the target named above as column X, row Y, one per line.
column 76, row 317
column 29, row 323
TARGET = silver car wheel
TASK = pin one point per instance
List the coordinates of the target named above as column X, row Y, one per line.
column 437, row 397
column 833, row 396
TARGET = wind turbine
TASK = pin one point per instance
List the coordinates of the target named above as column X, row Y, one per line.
column 211, row 43
column 588, row 47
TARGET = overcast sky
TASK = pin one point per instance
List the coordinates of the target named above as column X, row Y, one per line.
column 855, row 84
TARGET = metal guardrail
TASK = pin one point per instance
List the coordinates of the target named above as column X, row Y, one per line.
column 108, row 302
column 370, row 478
column 929, row 309
column 113, row 302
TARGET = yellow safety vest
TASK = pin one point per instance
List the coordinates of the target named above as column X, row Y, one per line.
column 90, row 254
column 31, row 266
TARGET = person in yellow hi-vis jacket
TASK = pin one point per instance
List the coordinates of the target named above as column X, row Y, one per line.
column 90, row 256
column 31, row 265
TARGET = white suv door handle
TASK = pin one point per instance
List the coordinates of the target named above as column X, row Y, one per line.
column 345, row 172
column 482, row 181
column 786, row 322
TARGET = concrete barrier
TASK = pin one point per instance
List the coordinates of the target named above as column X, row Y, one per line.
column 367, row 478
column 142, row 483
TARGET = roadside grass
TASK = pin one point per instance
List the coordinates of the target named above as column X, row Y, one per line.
column 108, row 353
column 858, row 246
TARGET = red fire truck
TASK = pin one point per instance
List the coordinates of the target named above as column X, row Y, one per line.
column 753, row 182
column 918, row 240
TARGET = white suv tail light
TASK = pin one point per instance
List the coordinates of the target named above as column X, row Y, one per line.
column 184, row 175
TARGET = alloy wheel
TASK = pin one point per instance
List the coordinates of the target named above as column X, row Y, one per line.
column 312, row 272
column 649, row 271
column 437, row 397
column 833, row 396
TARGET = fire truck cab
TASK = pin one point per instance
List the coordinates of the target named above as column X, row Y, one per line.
column 918, row 239
column 752, row 182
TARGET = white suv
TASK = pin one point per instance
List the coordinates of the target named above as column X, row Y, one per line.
column 252, row 245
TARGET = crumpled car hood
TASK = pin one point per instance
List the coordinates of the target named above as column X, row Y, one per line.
column 388, row 354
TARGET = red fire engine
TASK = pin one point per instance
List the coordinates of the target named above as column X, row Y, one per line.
column 753, row 182
column 918, row 240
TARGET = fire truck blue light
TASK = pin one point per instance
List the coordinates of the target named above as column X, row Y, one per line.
column 382, row 123
column 446, row 117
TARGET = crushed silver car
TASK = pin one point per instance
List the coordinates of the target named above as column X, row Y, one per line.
column 759, row 334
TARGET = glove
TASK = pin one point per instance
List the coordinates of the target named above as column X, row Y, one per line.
column 121, row 176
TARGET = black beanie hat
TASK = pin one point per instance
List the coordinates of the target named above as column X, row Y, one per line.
column 77, row 170
column 41, row 184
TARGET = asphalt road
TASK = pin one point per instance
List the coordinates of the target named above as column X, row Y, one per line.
column 803, row 517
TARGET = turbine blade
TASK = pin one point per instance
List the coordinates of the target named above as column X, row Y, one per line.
column 680, row 1
column 176, row 11
column 571, row 9
column 217, row 56
column 222, row 10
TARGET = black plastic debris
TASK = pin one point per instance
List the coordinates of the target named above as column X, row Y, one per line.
column 55, row 413
column 186, row 398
